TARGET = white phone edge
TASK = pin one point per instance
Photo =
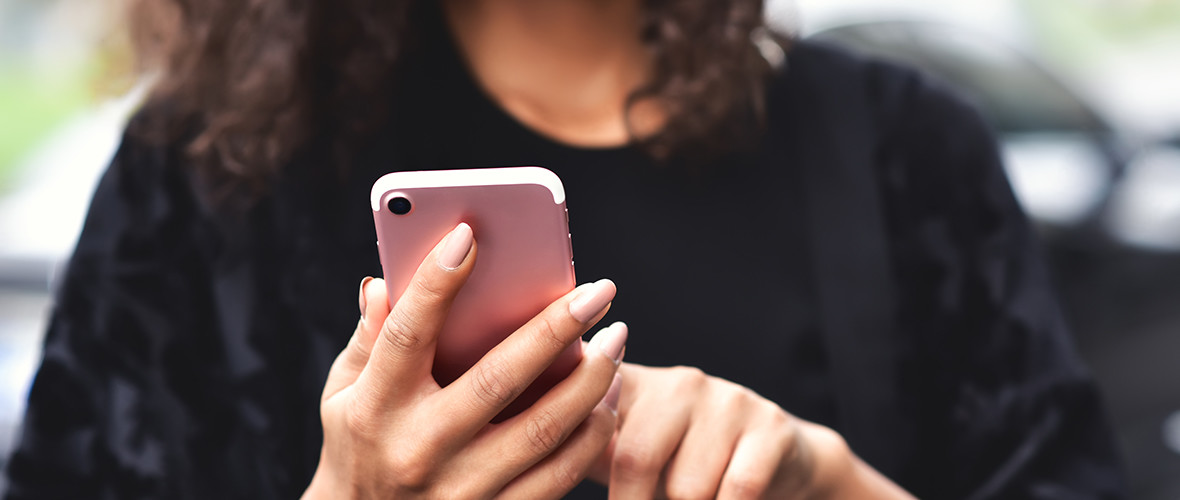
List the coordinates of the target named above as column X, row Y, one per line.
column 492, row 176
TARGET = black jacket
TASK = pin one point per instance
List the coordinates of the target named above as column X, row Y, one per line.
column 188, row 347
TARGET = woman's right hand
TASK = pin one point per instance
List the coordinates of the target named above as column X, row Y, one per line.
column 390, row 431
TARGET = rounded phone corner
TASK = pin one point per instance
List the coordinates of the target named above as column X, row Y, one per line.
column 546, row 178
column 381, row 186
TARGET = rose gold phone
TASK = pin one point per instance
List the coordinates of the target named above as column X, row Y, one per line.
column 524, row 260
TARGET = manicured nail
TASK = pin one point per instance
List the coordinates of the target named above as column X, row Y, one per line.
column 592, row 299
column 612, row 395
column 456, row 248
column 361, row 298
column 610, row 340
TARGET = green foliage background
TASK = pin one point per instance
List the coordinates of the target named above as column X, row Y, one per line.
column 32, row 104
column 1076, row 31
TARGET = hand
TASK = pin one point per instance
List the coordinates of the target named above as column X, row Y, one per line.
column 390, row 431
column 685, row 434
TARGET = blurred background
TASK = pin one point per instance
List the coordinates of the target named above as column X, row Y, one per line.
column 1084, row 95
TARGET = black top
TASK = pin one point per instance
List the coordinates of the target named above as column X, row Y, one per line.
column 188, row 348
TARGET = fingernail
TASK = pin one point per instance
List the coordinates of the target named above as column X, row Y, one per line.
column 610, row 341
column 457, row 247
column 612, row 395
column 592, row 300
column 361, row 298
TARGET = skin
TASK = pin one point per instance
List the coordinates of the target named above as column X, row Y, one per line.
column 563, row 68
column 381, row 408
column 685, row 434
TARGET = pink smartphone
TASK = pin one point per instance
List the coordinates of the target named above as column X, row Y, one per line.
column 524, row 260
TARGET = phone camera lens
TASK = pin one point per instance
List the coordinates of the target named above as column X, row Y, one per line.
column 399, row 205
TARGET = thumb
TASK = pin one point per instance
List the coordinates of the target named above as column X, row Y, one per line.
column 374, row 304
column 374, row 307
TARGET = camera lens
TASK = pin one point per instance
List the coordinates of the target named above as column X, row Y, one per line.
column 399, row 205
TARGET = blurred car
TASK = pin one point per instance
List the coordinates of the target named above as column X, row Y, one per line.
column 1079, row 175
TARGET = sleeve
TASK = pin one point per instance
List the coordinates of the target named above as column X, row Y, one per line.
column 103, row 417
column 1004, row 406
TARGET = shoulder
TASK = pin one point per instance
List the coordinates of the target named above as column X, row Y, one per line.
column 147, row 170
column 152, row 161
column 943, row 193
column 930, row 144
column 145, row 207
column 886, row 84
column 897, row 98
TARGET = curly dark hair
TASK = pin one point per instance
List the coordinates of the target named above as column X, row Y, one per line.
column 248, row 81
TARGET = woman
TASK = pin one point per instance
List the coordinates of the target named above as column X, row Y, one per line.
column 201, row 339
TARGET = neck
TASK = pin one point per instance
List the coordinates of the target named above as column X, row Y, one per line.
column 562, row 67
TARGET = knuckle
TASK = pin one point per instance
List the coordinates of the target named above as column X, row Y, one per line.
column 543, row 432
column 409, row 466
column 690, row 377
column 400, row 333
column 779, row 419
column 548, row 335
column 635, row 460
column 732, row 399
column 429, row 291
column 747, row 486
column 822, row 437
column 742, row 391
column 489, row 384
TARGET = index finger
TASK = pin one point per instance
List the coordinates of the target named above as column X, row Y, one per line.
column 402, row 352
column 506, row 370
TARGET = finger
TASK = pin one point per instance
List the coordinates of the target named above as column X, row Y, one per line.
column 525, row 439
column 561, row 471
column 697, row 466
column 505, row 371
column 650, row 432
column 751, row 469
column 600, row 471
column 374, row 306
column 402, row 350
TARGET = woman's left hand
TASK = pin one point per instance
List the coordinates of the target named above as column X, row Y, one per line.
column 685, row 434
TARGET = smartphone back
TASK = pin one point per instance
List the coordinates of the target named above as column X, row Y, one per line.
column 524, row 260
